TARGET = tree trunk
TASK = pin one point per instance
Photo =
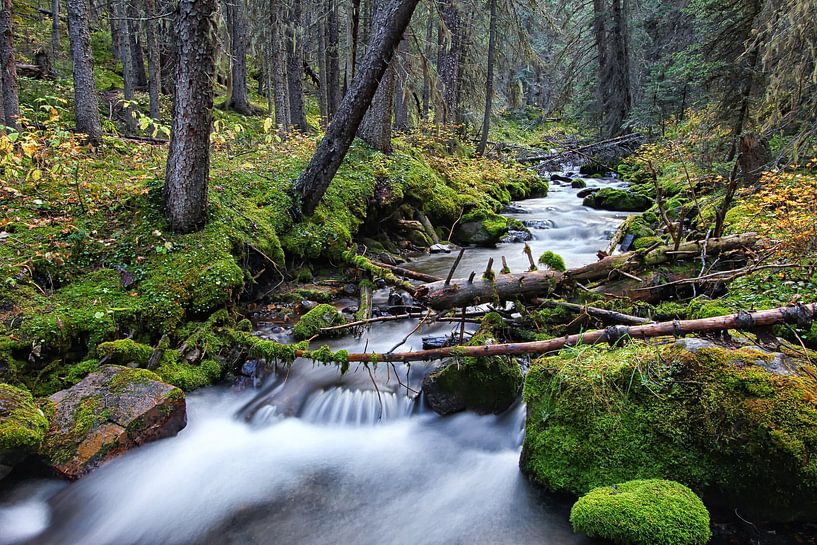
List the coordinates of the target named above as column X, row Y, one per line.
column 426, row 68
column 8, row 68
column 376, row 127
column 86, row 106
column 401, row 75
column 312, row 184
column 154, row 62
column 295, row 67
column 743, row 321
column 2, row 109
column 754, row 157
column 278, row 46
column 460, row 292
column 489, row 81
column 237, row 27
column 323, row 91
column 140, row 80
column 354, row 38
column 332, row 59
column 115, row 23
column 188, row 160
column 55, row 28
column 618, row 83
column 127, row 68
column 448, row 61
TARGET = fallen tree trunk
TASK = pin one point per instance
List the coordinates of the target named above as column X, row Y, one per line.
column 465, row 292
column 633, row 260
column 408, row 273
column 800, row 315
column 610, row 316
column 461, row 292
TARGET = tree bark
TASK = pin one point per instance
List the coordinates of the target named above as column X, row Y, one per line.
column 127, row 63
column 140, row 80
column 8, row 68
column 55, row 28
column 116, row 24
column 376, row 127
column 426, row 70
column 86, row 106
column 237, row 27
column 332, row 59
column 489, row 80
column 313, row 182
column 154, row 61
column 401, row 75
column 448, row 61
column 279, row 67
column 188, row 161
column 460, row 292
column 295, row 66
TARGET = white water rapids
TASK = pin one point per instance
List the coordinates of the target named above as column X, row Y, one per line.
column 313, row 458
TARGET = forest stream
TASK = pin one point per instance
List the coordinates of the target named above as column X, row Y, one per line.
column 313, row 457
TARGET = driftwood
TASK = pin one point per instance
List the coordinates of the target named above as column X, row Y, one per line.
column 610, row 149
column 461, row 292
column 800, row 315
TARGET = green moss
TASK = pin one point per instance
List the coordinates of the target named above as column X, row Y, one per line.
column 646, row 242
column 553, row 261
column 22, row 423
column 714, row 420
column 125, row 351
column 617, row 199
column 643, row 512
column 187, row 376
column 578, row 183
column 321, row 316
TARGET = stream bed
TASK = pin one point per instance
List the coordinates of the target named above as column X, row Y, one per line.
column 313, row 457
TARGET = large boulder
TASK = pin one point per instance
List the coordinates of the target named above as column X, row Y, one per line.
column 107, row 413
column 738, row 425
column 481, row 228
column 22, row 426
column 617, row 200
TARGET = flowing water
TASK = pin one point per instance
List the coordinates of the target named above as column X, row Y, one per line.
column 313, row 457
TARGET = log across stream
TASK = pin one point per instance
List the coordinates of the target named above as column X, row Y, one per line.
column 312, row 457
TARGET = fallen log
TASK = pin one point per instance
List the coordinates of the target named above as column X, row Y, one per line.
column 460, row 292
column 610, row 316
column 800, row 315
column 633, row 260
column 465, row 292
column 408, row 273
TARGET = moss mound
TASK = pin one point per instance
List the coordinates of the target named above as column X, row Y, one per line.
column 553, row 261
column 617, row 199
column 643, row 512
column 483, row 385
column 740, row 424
column 310, row 324
column 22, row 423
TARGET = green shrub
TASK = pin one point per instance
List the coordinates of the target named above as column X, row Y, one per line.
column 643, row 512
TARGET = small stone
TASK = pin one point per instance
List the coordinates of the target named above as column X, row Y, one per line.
column 514, row 237
column 439, row 249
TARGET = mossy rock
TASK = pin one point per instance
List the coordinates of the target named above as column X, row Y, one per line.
column 645, row 242
column 311, row 323
column 22, row 426
column 578, row 183
column 481, row 228
column 643, row 512
column 125, row 351
column 739, row 424
column 109, row 412
column 618, row 200
column 483, row 385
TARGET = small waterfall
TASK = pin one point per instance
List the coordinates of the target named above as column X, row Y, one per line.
column 355, row 407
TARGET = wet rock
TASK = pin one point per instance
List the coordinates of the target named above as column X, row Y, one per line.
column 517, row 236
column 482, row 385
column 586, row 192
column 307, row 305
column 22, row 427
column 401, row 299
column 350, row 289
column 109, row 412
column 312, row 322
column 440, row 249
column 618, row 200
column 442, row 341
column 514, row 208
column 578, row 183
column 379, row 283
column 539, row 224
column 560, row 178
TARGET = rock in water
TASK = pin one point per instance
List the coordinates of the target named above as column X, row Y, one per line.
column 617, row 200
column 107, row 413
column 22, row 426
